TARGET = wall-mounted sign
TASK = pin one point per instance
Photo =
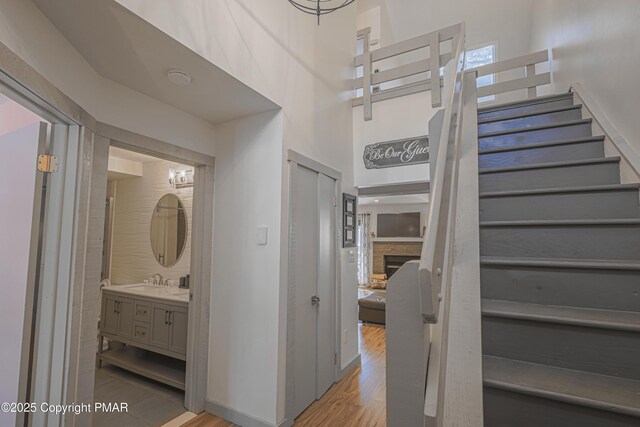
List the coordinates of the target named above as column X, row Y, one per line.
column 402, row 152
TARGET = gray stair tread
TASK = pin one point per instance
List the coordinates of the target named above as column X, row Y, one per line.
column 514, row 104
column 565, row 385
column 560, row 190
column 535, row 128
column 560, row 222
column 552, row 165
column 529, row 114
column 541, row 145
column 589, row 317
column 595, row 264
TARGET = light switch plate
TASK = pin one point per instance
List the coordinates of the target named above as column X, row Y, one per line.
column 262, row 236
column 352, row 256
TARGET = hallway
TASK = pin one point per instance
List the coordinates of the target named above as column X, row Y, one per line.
column 357, row 400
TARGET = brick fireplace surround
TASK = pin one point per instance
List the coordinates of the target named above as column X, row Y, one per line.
column 380, row 249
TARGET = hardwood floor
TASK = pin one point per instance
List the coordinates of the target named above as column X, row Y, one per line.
column 358, row 400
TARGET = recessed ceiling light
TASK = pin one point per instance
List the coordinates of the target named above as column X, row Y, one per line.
column 178, row 77
column 376, row 201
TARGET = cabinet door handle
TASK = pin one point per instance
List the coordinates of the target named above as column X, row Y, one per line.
column 166, row 317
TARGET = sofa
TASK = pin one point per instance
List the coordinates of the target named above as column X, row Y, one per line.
column 372, row 308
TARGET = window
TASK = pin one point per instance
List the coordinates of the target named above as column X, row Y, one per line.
column 482, row 56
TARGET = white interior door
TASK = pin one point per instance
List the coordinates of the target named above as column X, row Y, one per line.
column 313, row 268
column 326, row 284
column 304, row 236
column 20, row 201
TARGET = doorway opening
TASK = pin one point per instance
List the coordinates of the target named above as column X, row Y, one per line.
column 145, row 287
column 390, row 232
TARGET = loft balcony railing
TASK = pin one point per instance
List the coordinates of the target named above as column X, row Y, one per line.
column 436, row 42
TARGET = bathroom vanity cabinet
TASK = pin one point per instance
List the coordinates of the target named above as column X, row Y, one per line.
column 150, row 329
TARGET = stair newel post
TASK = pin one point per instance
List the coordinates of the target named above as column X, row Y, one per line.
column 434, row 52
column 365, row 35
column 530, row 71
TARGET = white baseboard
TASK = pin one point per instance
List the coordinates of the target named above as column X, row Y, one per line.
column 239, row 418
column 350, row 367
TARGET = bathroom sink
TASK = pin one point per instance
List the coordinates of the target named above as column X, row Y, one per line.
column 164, row 292
column 177, row 291
column 140, row 287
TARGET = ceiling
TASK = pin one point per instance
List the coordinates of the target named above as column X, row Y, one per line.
column 124, row 48
column 131, row 155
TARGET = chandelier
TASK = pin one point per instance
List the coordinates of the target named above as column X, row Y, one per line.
column 320, row 7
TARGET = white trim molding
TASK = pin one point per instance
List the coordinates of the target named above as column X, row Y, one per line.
column 239, row 418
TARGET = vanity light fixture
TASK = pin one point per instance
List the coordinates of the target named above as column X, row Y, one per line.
column 181, row 179
column 320, row 7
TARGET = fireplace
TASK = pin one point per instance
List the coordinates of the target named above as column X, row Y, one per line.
column 392, row 263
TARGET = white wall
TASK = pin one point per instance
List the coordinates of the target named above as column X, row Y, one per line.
column 404, row 117
column 596, row 44
column 18, row 153
column 132, row 259
column 245, row 299
column 13, row 116
column 376, row 209
column 503, row 22
column 306, row 69
column 28, row 33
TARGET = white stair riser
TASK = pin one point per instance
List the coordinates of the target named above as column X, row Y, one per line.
column 554, row 177
column 605, row 242
column 587, row 288
column 526, row 109
column 596, row 350
column 546, row 154
column 529, row 121
column 581, row 130
column 579, row 205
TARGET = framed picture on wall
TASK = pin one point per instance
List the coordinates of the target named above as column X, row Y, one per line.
column 349, row 202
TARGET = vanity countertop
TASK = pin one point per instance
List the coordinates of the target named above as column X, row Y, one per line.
column 169, row 293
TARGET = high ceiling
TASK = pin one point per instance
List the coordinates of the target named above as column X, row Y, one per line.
column 128, row 50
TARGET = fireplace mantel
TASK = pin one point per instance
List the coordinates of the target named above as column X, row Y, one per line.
column 397, row 239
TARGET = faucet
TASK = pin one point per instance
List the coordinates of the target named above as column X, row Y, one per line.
column 158, row 279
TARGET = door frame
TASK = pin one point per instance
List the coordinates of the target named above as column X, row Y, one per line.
column 201, row 250
column 53, row 255
column 293, row 160
column 25, row 85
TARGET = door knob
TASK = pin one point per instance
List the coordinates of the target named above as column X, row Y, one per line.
column 315, row 300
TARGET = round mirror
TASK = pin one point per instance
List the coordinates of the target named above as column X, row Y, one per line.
column 168, row 230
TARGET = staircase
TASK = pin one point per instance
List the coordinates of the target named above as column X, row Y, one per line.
column 560, row 271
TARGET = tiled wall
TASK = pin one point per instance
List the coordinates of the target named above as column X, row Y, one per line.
column 380, row 249
column 131, row 257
